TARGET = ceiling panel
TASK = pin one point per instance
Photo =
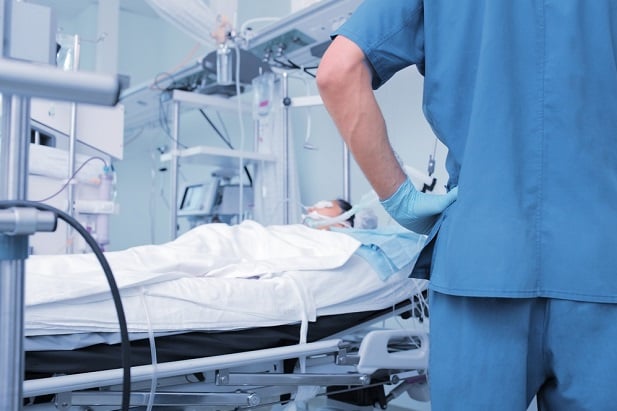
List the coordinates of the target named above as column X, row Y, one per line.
column 70, row 9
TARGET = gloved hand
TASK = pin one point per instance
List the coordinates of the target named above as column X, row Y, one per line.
column 415, row 210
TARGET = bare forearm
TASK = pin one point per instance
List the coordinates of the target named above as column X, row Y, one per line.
column 364, row 130
column 344, row 82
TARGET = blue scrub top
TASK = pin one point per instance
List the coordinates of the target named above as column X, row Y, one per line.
column 524, row 95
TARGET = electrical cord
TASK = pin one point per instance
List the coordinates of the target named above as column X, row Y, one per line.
column 215, row 128
column 304, row 69
column 226, row 141
column 115, row 293
column 288, row 66
column 225, row 131
column 293, row 66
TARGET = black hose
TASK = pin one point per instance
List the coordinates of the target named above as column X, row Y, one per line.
column 115, row 293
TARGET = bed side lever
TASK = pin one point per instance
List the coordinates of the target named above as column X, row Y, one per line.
column 287, row 379
column 163, row 399
column 374, row 353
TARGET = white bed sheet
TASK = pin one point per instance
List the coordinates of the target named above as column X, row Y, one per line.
column 216, row 277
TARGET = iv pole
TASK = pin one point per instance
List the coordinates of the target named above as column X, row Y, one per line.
column 18, row 82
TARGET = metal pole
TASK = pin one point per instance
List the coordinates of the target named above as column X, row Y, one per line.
column 173, row 195
column 18, row 81
column 27, row 79
column 13, row 249
column 286, row 104
column 346, row 174
column 13, row 169
column 70, row 244
column 11, row 329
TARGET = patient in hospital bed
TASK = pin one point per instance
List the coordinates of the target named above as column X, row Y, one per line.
column 222, row 289
column 206, row 280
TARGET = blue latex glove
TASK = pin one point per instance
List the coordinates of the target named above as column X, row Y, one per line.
column 415, row 210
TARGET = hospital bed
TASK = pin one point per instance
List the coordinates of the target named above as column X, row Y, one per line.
column 230, row 317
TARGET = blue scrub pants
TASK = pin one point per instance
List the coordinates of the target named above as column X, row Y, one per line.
column 497, row 353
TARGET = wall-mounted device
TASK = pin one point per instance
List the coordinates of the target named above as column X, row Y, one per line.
column 302, row 37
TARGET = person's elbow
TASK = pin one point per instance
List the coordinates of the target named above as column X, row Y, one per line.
column 329, row 76
column 342, row 66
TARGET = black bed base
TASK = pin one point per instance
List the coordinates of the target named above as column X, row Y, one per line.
column 42, row 364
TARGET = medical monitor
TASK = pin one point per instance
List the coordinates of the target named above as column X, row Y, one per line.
column 199, row 199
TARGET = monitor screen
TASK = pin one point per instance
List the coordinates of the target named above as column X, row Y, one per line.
column 199, row 198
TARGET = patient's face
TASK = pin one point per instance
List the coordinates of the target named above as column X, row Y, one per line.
column 327, row 209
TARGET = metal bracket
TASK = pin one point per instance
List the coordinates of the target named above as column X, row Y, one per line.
column 63, row 401
column 26, row 221
column 344, row 358
column 16, row 224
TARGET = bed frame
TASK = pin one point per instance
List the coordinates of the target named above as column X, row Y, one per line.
column 224, row 374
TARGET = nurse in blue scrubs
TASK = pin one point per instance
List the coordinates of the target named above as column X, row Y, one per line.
column 524, row 271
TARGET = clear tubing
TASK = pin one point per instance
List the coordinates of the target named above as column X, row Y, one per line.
column 153, row 355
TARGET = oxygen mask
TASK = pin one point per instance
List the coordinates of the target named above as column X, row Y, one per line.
column 324, row 214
